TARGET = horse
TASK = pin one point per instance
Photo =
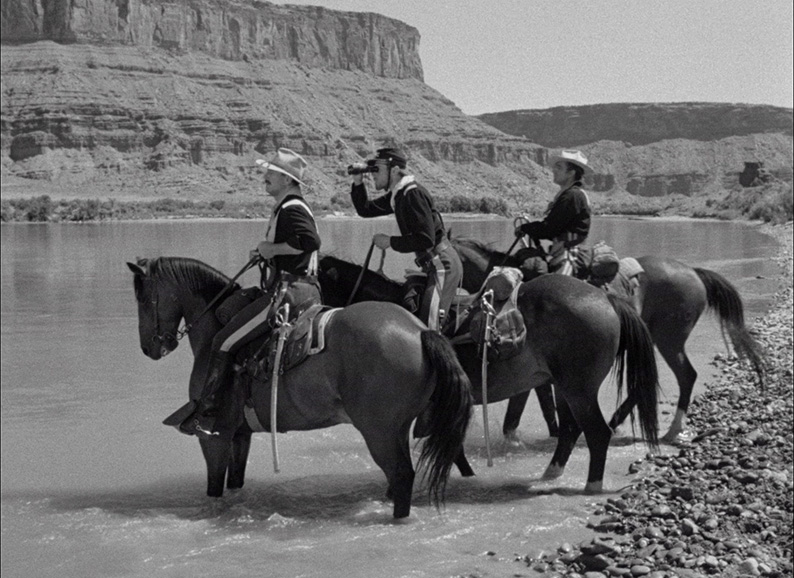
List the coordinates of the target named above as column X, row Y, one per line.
column 670, row 299
column 381, row 368
column 576, row 335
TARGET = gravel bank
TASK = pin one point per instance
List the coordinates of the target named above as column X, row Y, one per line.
column 722, row 504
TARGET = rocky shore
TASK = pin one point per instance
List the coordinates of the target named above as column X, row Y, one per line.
column 723, row 503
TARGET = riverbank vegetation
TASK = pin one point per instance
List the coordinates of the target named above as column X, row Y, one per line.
column 772, row 203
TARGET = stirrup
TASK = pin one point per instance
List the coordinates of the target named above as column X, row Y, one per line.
column 201, row 430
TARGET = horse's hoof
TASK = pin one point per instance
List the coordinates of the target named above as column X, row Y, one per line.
column 512, row 440
column 594, row 487
column 677, row 437
column 553, row 472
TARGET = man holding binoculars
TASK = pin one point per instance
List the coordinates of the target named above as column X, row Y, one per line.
column 422, row 229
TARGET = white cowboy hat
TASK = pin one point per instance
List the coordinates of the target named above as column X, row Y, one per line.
column 573, row 157
column 286, row 162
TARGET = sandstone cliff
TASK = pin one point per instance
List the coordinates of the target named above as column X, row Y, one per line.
column 227, row 29
column 137, row 98
column 166, row 98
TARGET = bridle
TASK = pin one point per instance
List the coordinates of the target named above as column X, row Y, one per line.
column 174, row 339
column 167, row 336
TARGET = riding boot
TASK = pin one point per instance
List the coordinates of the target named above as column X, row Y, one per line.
column 202, row 421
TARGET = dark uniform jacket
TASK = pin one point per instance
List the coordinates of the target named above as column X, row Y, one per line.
column 569, row 215
column 295, row 226
column 420, row 224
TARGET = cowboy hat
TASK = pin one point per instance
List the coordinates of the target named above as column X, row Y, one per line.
column 573, row 157
column 286, row 162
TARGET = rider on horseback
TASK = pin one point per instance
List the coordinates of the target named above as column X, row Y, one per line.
column 567, row 220
column 421, row 227
column 290, row 250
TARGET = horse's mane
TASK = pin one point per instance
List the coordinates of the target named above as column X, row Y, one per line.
column 197, row 277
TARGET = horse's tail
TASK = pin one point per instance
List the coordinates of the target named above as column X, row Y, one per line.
column 724, row 299
column 451, row 410
column 635, row 358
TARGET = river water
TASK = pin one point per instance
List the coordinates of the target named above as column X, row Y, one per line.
column 94, row 485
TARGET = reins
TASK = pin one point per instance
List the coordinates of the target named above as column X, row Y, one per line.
column 516, row 221
column 188, row 326
column 363, row 269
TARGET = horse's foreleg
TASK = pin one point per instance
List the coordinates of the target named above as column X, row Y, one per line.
column 548, row 407
column 515, row 407
column 463, row 464
column 216, row 452
column 238, row 459
column 569, row 432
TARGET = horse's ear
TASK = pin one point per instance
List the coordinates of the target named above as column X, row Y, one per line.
column 140, row 267
column 449, row 233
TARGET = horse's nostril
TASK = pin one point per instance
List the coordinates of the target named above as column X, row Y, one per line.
column 145, row 350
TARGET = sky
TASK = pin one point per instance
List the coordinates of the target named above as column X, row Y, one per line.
column 497, row 55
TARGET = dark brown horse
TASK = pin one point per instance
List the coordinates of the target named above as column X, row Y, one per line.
column 671, row 298
column 407, row 370
column 575, row 336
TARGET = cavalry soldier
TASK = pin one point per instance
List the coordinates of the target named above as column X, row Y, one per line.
column 421, row 228
column 290, row 250
column 567, row 220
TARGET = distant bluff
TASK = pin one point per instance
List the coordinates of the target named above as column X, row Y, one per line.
column 657, row 149
column 641, row 123
column 156, row 98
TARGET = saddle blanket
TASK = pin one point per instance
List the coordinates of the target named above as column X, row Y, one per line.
column 305, row 337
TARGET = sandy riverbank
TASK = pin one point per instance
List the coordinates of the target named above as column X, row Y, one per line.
column 723, row 504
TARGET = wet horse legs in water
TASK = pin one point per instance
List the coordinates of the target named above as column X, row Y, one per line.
column 516, row 405
column 597, row 435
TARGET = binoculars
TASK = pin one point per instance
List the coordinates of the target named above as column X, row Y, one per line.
column 360, row 169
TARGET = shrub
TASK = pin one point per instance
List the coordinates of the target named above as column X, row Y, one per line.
column 39, row 209
column 341, row 201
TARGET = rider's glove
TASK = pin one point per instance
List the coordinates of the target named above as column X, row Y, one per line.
column 529, row 229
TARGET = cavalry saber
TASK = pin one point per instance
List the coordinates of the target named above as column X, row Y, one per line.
column 488, row 308
column 282, row 336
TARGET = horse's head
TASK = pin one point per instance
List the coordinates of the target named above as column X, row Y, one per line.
column 479, row 260
column 338, row 279
column 159, row 310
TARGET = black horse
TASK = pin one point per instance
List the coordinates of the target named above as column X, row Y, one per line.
column 575, row 336
column 671, row 298
column 409, row 370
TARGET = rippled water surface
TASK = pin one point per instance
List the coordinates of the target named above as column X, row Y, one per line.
column 94, row 485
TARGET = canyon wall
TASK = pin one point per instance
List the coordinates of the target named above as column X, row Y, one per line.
column 146, row 98
column 226, row 29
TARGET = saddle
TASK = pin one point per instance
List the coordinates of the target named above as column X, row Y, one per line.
column 304, row 337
